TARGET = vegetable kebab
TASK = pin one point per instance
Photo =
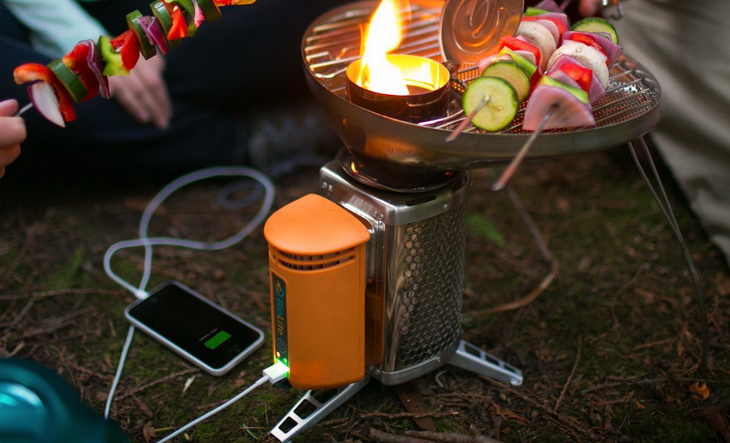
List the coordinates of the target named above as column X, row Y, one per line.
column 551, row 66
column 83, row 72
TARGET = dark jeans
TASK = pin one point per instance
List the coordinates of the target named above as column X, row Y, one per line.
column 241, row 64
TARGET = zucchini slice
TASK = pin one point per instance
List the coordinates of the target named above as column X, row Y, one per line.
column 211, row 12
column 596, row 24
column 494, row 100
column 68, row 79
column 163, row 17
column 145, row 47
column 514, row 73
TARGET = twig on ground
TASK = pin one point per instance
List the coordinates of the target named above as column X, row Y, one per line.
column 564, row 419
column 526, row 300
column 409, row 415
column 21, row 254
column 717, row 420
column 451, row 437
column 623, row 289
column 428, row 437
column 570, row 376
column 653, row 381
column 23, row 312
column 55, row 292
column 385, row 437
column 156, row 382
column 57, row 323
column 544, row 251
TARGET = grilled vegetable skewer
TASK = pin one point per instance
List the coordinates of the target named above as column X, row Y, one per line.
column 83, row 72
column 567, row 71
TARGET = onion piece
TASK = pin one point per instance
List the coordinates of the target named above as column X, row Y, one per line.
column 611, row 49
column 483, row 63
column 549, row 5
column 570, row 111
column 198, row 18
column 562, row 77
column 96, row 64
column 45, row 101
column 154, row 32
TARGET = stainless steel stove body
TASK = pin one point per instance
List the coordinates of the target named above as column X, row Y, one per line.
column 408, row 187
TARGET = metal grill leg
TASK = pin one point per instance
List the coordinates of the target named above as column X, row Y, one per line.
column 309, row 410
column 473, row 359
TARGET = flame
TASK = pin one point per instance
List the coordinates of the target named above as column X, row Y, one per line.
column 384, row 34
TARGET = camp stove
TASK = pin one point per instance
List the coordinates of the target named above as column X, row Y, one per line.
column 367, row 276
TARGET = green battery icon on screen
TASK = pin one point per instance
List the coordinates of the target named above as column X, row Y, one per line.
column 217, row 340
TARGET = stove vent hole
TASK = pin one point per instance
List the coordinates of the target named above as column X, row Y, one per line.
column 313, row 262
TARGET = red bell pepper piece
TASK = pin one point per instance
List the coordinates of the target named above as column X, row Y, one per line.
column 127, row 45
column 77, row 61
column 560, row 24
column 179, row 27
column 33, row 72
column 582, row 75
column 517, row 44
column 233, row 2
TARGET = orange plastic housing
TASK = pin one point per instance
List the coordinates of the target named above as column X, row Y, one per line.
column 317, row 284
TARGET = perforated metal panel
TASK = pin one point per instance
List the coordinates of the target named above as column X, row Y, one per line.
column 415, row 261
column 428, row 281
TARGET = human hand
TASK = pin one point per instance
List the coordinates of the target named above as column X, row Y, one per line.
column 588, row 8
column 12, row 133
column 143, row 93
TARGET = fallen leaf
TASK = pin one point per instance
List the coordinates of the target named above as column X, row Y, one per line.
column 722, row 282
column 147, row 432
column 188, row 382
column 699, row 391
column 716, row 419
column 144, row 408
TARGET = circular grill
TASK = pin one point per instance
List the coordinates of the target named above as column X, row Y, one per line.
column 628, row 111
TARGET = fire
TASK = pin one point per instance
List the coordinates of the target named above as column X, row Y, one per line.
column 384, row 34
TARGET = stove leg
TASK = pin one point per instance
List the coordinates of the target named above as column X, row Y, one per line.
column 309, row 410
column 473, row 359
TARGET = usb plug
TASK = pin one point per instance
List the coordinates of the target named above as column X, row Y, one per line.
column 276, row 372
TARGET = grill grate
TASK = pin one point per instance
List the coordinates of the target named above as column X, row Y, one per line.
column 330, row 47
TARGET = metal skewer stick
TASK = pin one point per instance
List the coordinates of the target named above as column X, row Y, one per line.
column 23, row 109
column 517, row 160
column 467, row 121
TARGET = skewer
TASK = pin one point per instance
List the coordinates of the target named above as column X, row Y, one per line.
column 615, row 4
column 517, row 160
column 467, row 121
column 23, row 109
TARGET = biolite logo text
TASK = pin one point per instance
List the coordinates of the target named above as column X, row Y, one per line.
column 281, row 348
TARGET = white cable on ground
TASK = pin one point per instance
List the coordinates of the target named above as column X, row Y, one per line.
column 157, row 200
column 118, row 374
column 275, row 372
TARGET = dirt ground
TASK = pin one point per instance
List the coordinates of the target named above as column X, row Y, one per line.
column 611, row 349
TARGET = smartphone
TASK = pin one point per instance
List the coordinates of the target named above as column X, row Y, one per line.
column 199, row 330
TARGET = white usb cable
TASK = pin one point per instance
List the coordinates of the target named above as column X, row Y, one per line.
column 272, row 374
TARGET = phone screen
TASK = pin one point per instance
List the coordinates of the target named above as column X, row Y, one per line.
column 194, row 326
